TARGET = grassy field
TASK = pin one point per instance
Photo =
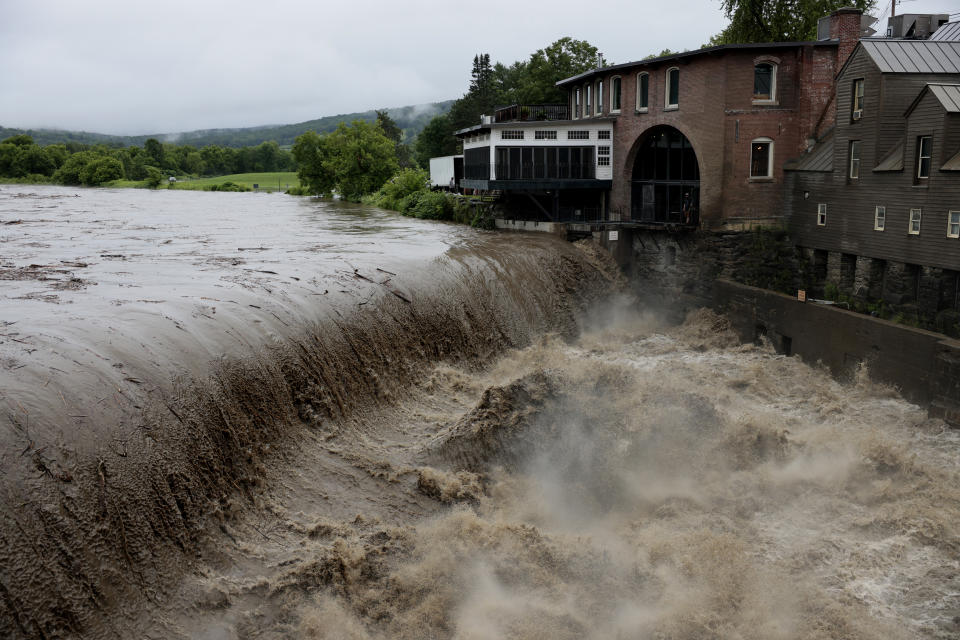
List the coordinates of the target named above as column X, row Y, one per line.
column 267, row 181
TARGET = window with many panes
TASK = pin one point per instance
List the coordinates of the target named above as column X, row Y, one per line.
column 761, row 158
column 914, row 228
column 511, row 134
column 822, row 214
column 603, row 135
column 854, row 165
column 615, row 95
column 953, row 224
column 764, row 82
column 672, row 93
column 879, row 218
column 856, row 102
column 924, row 151
column 544, row 135
column 578, row 135
column 643, row 91
column 603, row 156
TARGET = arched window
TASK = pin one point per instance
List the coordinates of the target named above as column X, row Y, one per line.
column 764, row 82
column 615, row 95
column 643, row 91
column 761, row 158
column 671, row 94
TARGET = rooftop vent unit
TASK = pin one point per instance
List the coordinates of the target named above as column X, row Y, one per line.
column 915, row 26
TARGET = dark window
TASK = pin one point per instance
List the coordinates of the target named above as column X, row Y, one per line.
column 673, row 87
column 924, row 148
column 854, row 173
column 760, row 159
column 599, row 93
column 763, row 81
column 587, row 106
column 615, row 95
column 643, row 91
column 576, row 103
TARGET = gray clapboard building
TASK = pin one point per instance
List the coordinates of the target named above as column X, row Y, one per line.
column 875, row 203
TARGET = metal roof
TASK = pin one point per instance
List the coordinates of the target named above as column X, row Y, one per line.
column 893, row 161
column 949, row 31
column 948, row 95
column 914, row 56
column 953, row 164
column 819, row 158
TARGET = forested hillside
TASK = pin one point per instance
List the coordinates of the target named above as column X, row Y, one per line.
column 410, row 119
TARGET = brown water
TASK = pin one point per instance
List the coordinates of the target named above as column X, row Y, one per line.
column 459, row 462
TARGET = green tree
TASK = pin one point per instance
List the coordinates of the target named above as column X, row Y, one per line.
column 154, row 177
column 311, row 153
column 435, row 140
column 155, row 150
column 101, row 169
column 361, row 158
column 564, row 58
column 20, row 140
column 395, row 133
column 778, row 20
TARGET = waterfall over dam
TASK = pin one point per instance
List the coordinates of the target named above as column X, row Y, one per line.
column 254, row 416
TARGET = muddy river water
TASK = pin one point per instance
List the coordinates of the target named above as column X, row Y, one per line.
column 256, row 416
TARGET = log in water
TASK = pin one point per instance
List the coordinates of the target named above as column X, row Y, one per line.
column 238, row 415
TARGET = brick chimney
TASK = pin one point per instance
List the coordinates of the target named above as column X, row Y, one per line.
column 845, row 27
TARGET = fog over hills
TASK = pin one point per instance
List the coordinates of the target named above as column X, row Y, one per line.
column 410, row 118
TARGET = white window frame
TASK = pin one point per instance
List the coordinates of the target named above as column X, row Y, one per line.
column 853, row 168
column 587, row 102
column 640, row 109
column 769, row 174
column 667, row 85
column 916, row 216
column 951, row 216
column 603, row 155
column 822, row 214
column 773, row 82
column 920, row 157
column 598, row 93
column 604, row 134
column 511, row 134
column 879, row 218
column 545, row 135
column 576, row 103
column 578, row 134
column 856, row 99
column 614, row 81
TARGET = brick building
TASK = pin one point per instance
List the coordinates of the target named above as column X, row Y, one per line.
column 710, row 130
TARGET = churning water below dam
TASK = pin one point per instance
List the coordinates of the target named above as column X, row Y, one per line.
column 253, row 416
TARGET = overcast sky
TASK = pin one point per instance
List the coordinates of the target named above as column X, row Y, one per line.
column 129, row 67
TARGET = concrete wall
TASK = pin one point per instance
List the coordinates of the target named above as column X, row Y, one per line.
column 924, row 366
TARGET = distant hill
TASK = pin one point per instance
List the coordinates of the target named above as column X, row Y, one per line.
column 412, row 119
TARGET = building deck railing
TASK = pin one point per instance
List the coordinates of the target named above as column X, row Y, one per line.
column 516, row 112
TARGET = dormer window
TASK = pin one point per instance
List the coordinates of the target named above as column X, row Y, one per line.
column 765, row 82
column 856, row 102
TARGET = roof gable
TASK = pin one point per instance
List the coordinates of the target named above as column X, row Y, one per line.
column 948, row 95
column 913, row 56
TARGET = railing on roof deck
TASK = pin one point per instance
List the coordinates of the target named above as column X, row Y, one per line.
column 532, row 112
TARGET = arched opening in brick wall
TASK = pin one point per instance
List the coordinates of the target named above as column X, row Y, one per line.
column 666, row 179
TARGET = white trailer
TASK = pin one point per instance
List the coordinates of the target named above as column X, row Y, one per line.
column 446, row 172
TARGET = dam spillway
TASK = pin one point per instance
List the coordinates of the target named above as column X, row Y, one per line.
column 239, row 415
